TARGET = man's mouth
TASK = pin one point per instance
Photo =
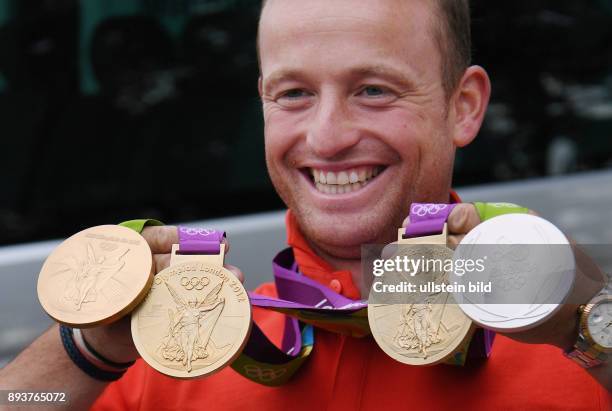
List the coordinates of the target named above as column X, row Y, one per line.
column 345, row 181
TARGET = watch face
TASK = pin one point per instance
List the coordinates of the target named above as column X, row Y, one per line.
column 599, row 323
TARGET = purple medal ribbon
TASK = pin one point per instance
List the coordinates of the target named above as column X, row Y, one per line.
column 427, row 219
column 200, row 240
column 297, row 292
column 300, row 292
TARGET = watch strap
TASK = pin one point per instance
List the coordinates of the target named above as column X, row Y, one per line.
column 585, row 354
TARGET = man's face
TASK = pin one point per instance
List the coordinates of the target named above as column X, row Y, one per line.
column 356, row 124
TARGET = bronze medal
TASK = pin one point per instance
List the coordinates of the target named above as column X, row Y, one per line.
column 195, row 320
column 428, row 327
column 96, row 276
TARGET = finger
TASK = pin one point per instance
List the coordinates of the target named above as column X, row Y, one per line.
column 463, row 218
column 406, row 222
column 389, row 250
column 160, row 238
column 236, row 271
column 453, row 240
column 227, row 244
column 162, row 261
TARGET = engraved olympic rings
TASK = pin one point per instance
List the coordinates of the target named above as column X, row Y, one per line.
column 196, row 231
column 263, row 374
column 422, row 210
column 194, row 282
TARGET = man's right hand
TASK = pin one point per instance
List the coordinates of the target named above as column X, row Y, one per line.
column 114, row 341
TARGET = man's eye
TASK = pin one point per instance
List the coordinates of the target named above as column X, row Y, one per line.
column 376, row 96
column 373, row 91
column 293, row 94
column 294, row 98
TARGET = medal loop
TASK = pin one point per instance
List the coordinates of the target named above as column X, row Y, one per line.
column 427, row 219
column 199, row 240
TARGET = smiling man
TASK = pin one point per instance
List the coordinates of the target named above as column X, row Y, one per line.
column 365, row 103
column 363, row 114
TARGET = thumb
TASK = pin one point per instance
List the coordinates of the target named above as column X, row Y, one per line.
column 236, row 271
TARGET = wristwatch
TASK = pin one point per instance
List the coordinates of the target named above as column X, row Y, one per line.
column 594, row 345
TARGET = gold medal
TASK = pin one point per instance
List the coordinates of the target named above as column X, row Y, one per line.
column 195, row 320
column 96, row 276
column 428, row 327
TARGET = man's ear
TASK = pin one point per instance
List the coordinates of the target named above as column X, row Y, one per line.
column 469, row 104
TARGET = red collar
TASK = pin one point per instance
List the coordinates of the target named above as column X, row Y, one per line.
column 314, row 267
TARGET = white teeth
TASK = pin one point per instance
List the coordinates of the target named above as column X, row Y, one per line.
column 331, row 178
column 362, row 174
column 342, row 182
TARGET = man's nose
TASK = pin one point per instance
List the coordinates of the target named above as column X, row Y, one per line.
column 331, row 130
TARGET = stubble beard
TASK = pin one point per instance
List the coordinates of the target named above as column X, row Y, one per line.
column 341, row 235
